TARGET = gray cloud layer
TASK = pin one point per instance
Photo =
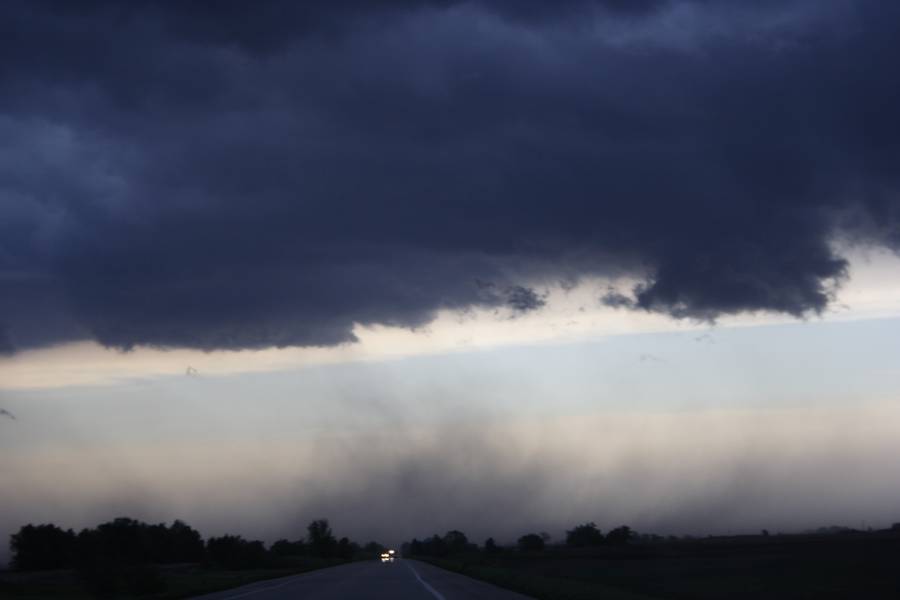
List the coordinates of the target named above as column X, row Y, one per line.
column 690, row 473
column 226, row 175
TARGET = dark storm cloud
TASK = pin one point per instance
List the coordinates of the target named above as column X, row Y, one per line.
column 6, row 345
column 231, row 175
column 615, row 299
column 519, row 298
column 523, row 299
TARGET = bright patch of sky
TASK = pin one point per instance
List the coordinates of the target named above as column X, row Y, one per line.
column 570, row 315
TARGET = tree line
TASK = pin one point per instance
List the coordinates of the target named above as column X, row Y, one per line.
column 455, row 542
column 126, row 552
column 43, row 547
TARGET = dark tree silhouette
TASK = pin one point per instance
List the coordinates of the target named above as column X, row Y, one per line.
column 346, row 549
column 456, row 541
column 122, row 539
column 531, row 542
column 320, row 539
column 117, row 556
column 185, row 544
column 133, row 541
column 435, row 546
column 121, row 556
column 491, row 547
column 620, row 536
column 37, row 547
column 583, row 536
column 114, row 557
column 452, row 542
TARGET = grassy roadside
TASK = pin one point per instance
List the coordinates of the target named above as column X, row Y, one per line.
column 182, row 581
column 534, row 585
column 852, row 564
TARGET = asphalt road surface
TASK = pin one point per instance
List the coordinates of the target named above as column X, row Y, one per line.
column 370, row 580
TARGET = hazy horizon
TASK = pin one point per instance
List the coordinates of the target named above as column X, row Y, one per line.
column 496, row 442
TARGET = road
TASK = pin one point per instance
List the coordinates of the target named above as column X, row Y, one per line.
column 370, row 580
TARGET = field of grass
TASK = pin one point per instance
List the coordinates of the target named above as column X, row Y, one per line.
column 533, row 584
column 180, row 581
column 849, row 565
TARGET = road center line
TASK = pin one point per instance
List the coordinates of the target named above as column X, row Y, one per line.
column 433, row 591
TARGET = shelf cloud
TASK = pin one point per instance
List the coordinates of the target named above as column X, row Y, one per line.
column 221, row 175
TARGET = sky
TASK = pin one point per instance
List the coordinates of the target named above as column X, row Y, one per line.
column 420, row 265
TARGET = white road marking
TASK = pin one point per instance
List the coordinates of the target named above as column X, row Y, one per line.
column 433, row 591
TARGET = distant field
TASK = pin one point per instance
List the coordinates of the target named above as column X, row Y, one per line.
column 180, row 581
column 849, row 565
